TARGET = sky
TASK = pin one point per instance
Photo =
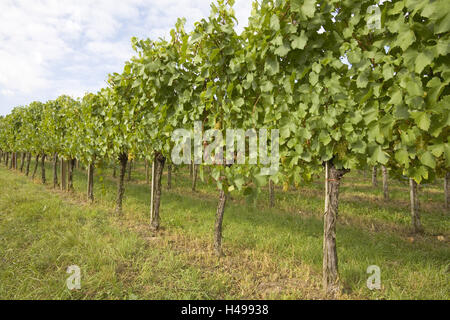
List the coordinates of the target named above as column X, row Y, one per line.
column 54, row 47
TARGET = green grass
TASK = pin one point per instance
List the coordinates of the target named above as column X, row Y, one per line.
column 270, row 253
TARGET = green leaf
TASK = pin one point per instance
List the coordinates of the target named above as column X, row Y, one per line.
column 239, row 102
column 414, row 88
column 444, row 25
column 401, row 112
column 309, row 8
column 418, row 173
column 277, row 41
column 287, row 85
column 216, row 174
column 285, row 132
column 230, row 89
column 274, row 23
column 313, row 78
column 359, row 146
column 421, row 119
column 422, row 60
column 299, row 42
column 447, row 154
column 239, row 182
column 398, row 7
column 260, row 180
column 362, row 80
column 396, row 98
column 152, row 66
column 428, row 159
column 296, row 5
column 379, row 155
column 406, row 39
column 436, row 88
column 283, row 50
column 324, row 138
column 316, row 67
column 137, row 83
column 437, row 150
column 388, row 72
column 367, row 96
column 272, row 66
column 267, row 86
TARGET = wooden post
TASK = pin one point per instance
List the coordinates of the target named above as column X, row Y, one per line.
column 70, row 173
column 195, row 176
column 63, row 175
column 23, row 161
column 152, row 192
column 374, row 177
column 35, row 166
column 330, row 276
column 271, row 193
column 11, row 164
column 169, row 176
column 219, row 222
column 159, row 161
column 44, row 180
column 147, row 172
column 90, row 182
column 385, row 183
column 55, row 170
column 123, row 158
column 27, row 170
column 415, row 215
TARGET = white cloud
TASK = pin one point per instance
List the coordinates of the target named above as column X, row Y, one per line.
column 104, row 49
column 7, row 92
column 53, row 47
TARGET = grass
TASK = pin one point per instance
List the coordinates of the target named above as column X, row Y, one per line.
column 270, row 253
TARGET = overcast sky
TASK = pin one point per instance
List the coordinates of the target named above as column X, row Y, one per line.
column 54, row 47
